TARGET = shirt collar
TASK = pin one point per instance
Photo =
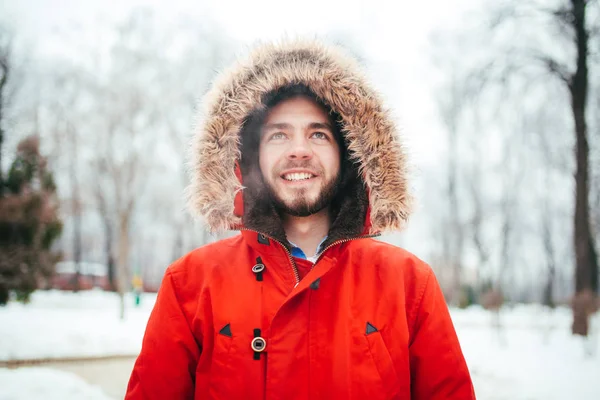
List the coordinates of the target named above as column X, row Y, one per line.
column 297, row 251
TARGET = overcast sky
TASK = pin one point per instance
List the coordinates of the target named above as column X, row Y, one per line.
column 393, row 34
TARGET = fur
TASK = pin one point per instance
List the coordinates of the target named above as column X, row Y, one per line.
column 370, row 135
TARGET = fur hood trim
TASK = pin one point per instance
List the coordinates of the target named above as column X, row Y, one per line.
column 370, row 134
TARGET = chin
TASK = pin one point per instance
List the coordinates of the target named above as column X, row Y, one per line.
column 292, row 201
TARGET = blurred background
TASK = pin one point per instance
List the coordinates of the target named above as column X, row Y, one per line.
column 499, row 107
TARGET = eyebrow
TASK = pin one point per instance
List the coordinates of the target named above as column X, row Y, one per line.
column 280, row 125
column 321, row 125
column 284, row 125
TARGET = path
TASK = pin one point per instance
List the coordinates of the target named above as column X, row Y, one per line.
column 111, row 374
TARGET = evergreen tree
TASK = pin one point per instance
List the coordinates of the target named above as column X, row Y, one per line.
column 29, row 223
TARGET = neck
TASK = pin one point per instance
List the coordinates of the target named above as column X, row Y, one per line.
column 307, row 232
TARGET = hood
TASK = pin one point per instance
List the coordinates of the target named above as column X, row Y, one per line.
column 217, row 193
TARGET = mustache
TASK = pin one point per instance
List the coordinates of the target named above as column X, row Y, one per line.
column 300, row 165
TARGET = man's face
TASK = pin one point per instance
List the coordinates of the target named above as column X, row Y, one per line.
column 299, row 157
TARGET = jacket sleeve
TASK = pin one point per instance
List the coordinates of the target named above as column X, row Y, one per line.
column 165, row 368
column 437, row 365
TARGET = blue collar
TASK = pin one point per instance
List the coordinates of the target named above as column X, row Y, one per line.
column 297, row 251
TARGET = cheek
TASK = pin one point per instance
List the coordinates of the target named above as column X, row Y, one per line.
column 331, row 161
column 266, row 161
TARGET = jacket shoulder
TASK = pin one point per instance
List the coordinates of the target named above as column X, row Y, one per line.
column 210, row 251
column 407, row 271
column 387, row 255
column 193, row 266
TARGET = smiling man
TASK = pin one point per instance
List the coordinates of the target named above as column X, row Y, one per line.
column 297, row 152
column 299, row 161
column 300, row 157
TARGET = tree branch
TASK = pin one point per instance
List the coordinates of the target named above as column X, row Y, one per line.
column 556, row 68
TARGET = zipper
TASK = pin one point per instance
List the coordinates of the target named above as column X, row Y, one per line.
column 344, row 241
column 292, row 262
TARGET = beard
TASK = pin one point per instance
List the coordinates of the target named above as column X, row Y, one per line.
column 301, row 206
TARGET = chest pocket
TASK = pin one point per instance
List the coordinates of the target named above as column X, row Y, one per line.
column 383, row 364
column 233, row 373
column 221, row 367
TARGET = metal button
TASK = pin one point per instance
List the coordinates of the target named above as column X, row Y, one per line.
column 258, row 268
column 258, row 344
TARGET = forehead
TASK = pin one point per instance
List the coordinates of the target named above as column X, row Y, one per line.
column 300, row 109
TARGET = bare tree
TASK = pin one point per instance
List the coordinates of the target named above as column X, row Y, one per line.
column 548, row 294
column 569, row 26
column 454, row 232
column 479, row 214
column 125, row 109
column 508, row 210
column 117, row 112
column 204, row 54
column 552, row 169
column 595, row 170
column 586, row 271
column 67, row 87
column 108, row 225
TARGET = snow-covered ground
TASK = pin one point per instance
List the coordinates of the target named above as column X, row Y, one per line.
column 63, row 324
column 532, row 356
column 45, row 384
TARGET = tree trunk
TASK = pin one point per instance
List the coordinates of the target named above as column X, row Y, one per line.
column 123, row 259
column 453, row 238
column 505, row 256
column 548, row 295
column 456, row 233
column 108, row 251
column 586, row 269
column 1, row 140
column 77, row 251
column 76, row 211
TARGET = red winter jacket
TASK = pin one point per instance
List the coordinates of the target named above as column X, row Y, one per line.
column 233, row 319
column 368, row 321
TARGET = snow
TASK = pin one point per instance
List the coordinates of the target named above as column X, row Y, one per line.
column 530, row 356
column 62, row 324
column 46, row 384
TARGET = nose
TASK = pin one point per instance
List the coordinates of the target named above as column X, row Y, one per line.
column 299, row 149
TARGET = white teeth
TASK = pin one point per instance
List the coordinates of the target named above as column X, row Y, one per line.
column 297, row 176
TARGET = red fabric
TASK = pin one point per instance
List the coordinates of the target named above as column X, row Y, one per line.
column 238, row 201
column 317, row 341
column 303, row 266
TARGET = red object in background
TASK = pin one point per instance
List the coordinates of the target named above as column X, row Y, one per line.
column 92, row 275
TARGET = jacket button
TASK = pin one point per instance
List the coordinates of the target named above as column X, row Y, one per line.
column 258, row 268
column 262, row 239
column 258, row 344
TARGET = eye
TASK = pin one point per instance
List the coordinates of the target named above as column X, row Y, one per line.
column 320, row 135
column 277, row 136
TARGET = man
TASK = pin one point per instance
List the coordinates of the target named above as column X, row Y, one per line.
column 296, row 151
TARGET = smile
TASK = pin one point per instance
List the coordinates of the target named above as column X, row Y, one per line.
column 297, row 176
